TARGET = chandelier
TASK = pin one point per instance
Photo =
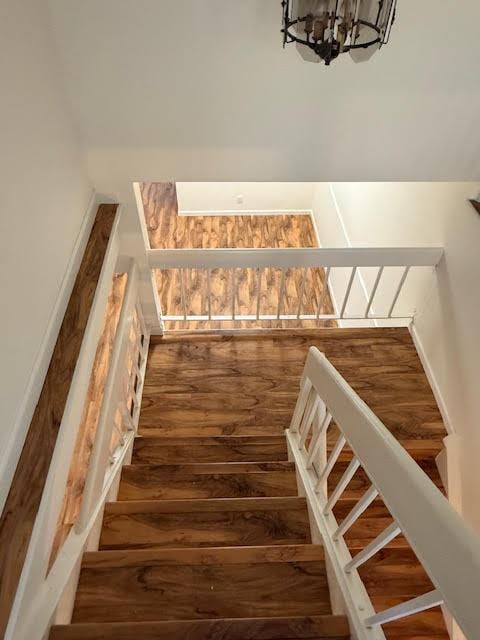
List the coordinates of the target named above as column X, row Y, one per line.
column 323, row 29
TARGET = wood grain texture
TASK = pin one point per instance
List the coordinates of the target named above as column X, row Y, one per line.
column 205, row 523
column 91, row 413
column 271, row 628
column 149, row 589
column 23, row 500
column 215, row 449
column 160, row 482
column 246, row 381
column 166, row 229
column 210, row 384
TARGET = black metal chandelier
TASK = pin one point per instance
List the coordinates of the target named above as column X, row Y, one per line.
column 323, row 29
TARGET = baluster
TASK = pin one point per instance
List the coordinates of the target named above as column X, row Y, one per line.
column 367, row 498
column 317, row 439
column 374, row 291
column 370, row 550
column 183, row 293
column 337, row 449
column 209, row 293
column 309, row 410
column 259, row 290
column 347, row 293
column 305, row 388
column 408, row 608
column 302, row 291
column 281, row 293
column 323, row 295
column 342, row 484
column 399, row 289
column 234, row 285
column 309, row 421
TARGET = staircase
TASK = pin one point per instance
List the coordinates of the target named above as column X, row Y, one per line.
column 208, row 538
column 216, row 548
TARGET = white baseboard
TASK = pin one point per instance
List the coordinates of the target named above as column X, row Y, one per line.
column 432, row 380
column 19, row 431
column 249, row 212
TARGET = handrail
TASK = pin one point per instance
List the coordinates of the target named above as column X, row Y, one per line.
column 447, row 548
column 330, row 294
column 36, row 603
column 294, row 257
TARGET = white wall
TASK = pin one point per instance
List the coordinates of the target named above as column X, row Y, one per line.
column 256, row 197
column 43, row 198
column 448, row 305
column 203, row 91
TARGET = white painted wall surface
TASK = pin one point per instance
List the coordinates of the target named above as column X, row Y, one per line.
column 448, row 305
column 244, row 197
column 44, row 195
column 189, row 90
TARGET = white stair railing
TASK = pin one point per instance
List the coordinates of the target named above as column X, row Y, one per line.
column 41, row 586
column 322, row 265
column 445, row 546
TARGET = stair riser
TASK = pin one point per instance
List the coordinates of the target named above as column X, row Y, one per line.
column 140, row 530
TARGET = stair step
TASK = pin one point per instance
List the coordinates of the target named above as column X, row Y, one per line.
column 205, row 523
column 209, row 449
column 186, row 430
column 312, row 628
column 216, row 480
column 185, row 584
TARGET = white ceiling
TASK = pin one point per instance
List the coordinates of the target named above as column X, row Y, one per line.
column 209, row 77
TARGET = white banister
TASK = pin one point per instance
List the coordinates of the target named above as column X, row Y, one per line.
column 342, row 484
column 415, row 605
column 347, row 293
column 389, row 534
column 100, row 451
column 303, row 303
column 368, row 497
column 446, row 547
column 294, row 257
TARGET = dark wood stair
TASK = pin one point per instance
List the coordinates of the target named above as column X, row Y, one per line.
column 208, row 539
column 205, row 523
column 207, row 480
column 271, row 628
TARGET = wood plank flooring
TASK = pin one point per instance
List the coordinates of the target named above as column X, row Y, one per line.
column 23, row 500
column 168, row 230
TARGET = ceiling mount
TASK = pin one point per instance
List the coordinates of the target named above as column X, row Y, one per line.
column 323, row 29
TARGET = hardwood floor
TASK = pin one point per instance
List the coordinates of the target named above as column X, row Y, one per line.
column 23, row 500
column 168, row 230
column 208, row 538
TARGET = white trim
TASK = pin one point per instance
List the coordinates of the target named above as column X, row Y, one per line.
column 294, row 257
column 353, row 592
column 437, row 393
column 244, row 212
column 25, row 412
column 349, row 244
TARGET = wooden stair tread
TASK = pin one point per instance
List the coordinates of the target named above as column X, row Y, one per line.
column 177, row 584
column 210, row 449
column 189, row 430
column 280, row 628
column 140, row 482
column 205, row 523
